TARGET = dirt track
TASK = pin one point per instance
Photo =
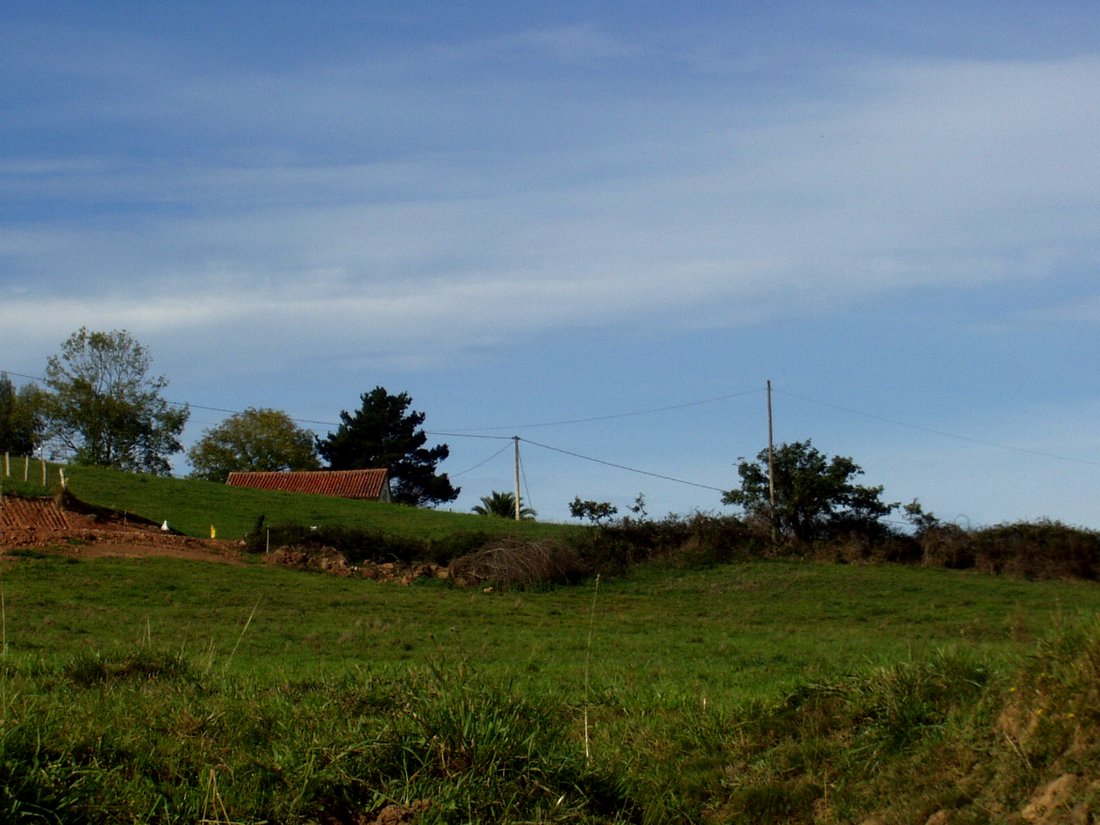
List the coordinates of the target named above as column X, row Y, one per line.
column 43, row 524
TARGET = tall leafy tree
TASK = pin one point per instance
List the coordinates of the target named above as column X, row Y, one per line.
column 503, row 505
column 256, row 439
column 104, row 408
column 384, row 432
column 815, row 496
column 20, row 417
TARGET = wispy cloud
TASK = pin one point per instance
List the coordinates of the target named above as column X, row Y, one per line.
column 911, row 174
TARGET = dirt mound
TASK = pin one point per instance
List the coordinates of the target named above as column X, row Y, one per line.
column 332, row 561
column 398, row 814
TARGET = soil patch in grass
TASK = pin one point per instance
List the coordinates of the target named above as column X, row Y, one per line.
column 47, row 525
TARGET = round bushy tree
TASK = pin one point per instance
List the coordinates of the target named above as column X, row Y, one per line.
column 103, row 407
column 815, row 496
column 256, row 439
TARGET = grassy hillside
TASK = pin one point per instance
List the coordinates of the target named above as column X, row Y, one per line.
column 733, row 632
column 768, row 691
column 192, row 506
column 169, row 691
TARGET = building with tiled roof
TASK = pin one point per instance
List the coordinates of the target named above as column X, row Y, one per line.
column 373, row 485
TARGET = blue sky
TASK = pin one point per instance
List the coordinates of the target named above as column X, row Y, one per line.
column 600, row 227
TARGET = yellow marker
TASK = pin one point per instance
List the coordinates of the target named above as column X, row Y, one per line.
column 213, row 532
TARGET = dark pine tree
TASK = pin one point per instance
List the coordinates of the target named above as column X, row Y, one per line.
column 384, row 432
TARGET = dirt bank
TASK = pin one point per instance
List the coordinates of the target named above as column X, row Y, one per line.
column 45, row 525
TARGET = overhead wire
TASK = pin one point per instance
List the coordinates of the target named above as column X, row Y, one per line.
column 480, row 463
column 481, row 432
column 526, row 486
column 623, row 466
column 608, row 417
column 943, row 433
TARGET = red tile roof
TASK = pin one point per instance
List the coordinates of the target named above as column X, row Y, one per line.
column 366, row 484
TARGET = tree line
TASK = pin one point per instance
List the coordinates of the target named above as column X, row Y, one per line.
column 102, row 406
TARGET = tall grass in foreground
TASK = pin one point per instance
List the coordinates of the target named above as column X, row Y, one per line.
column 146, row 736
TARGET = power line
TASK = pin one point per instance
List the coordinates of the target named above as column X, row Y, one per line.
column 41, row 380
column 481, row 463
column 478, row 432
column 442, row 434
column 526, row 486
column 473, row 432
column 943, row 433
column 37, row 378
column 572, row 454
column 624, row 467
column 608, row 417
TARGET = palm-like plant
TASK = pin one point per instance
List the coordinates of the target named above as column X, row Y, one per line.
column 502, row 505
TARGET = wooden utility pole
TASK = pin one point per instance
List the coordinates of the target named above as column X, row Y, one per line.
column 515, row 438
column 771, row 450
column 771, row 461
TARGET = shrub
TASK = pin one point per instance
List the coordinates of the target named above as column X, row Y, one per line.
column 520, row 564
column 358, row 545
column 697, row 540
column 1037, row 550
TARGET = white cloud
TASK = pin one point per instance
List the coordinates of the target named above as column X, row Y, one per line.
column 929, row 174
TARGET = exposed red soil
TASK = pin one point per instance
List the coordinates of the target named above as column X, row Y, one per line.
column 45, row 525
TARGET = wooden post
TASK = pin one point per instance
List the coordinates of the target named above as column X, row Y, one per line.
column 43, row 471
column 516, row 439
column 771, row 462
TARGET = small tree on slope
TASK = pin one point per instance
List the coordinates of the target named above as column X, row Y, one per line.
column 815, row 496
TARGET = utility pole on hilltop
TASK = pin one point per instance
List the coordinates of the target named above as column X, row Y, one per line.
column 515, row 438
column 771, row 460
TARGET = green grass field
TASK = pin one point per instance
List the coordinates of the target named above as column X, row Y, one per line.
column 730, row 633
column 175, row 691
column 139, row 670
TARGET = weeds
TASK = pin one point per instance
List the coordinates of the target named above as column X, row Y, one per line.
column 149, row 738
column 749, row 693
column 138, row 665
column 147, row 733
